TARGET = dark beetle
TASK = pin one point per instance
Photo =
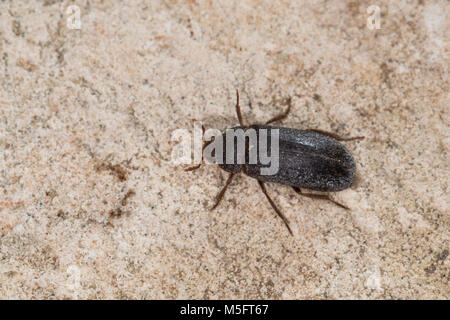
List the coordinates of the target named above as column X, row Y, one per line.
column 307, row 159
column 310, row 159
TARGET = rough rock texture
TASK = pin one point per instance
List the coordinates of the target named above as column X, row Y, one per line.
column 91, row 205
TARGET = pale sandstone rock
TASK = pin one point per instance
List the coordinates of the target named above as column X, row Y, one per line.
column 86, row 118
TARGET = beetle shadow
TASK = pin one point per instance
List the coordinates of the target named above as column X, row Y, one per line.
column 358, row 180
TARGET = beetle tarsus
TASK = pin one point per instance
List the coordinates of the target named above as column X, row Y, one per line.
column 319, row 197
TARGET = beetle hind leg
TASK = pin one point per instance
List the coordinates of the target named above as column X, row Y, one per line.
column 285, row 220
column 222, row 192
column 319, row 197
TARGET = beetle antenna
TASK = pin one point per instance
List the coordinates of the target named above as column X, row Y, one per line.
column 238, row 109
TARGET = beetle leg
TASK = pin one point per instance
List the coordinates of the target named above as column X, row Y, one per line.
column 335, row 136
column 205, row 143
column 319, row 196
column 222, row 192
column 285, row 220
column 193, row 168
column 203, row 148
column 282, row 115
column 238, row 109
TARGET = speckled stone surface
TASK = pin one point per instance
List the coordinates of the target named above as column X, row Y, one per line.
column 92, row 207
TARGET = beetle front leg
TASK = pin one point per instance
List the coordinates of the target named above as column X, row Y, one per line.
column 335, row 136
column 319, row 197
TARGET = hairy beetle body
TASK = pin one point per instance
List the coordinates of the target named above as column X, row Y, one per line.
column 307, row 159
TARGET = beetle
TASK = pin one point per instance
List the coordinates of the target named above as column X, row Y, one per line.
column 308, row 159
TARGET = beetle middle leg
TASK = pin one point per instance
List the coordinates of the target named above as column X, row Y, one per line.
column 285, row 220
column 319, row 197
column 335, row 136
column 222, row 192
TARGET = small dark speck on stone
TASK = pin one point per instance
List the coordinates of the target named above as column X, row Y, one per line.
column 430, row 269
column 17, row 28
column 128, row 195
column 316, row 97
column 119, row 172
column 11, row 274
column 443, row 255
column 50, row 2
column 115, row 213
